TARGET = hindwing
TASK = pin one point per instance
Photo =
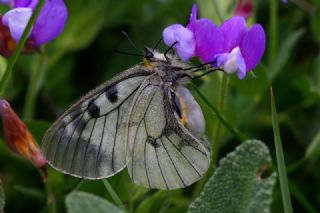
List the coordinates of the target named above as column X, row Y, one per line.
column 161, row 152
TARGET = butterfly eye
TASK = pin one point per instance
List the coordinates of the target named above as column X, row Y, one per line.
column 148, row 54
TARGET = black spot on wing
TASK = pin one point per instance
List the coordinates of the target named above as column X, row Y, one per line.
column 112, row 93
column 152, row 141
column 93, row 110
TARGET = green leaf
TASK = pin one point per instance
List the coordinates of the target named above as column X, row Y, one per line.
column 313, row 149
column 2, row 199
column 237, row 185
column 149, row 203
column 284, row 53
column 82, row 202
column 280, row 158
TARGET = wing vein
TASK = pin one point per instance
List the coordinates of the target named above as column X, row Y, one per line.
column 183, row 156
column 86, row 150
column 77, row 145
column 114, row 142
column 184, row 184
column 155, row 149
column 67, row 147
column 101, row 140
column 145, row 161
column 134, row 141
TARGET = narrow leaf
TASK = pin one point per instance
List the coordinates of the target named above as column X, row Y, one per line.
column 82, row 202
column 313, row 149
column 19, row 47
column 236, row 185
column 236, row 133
column 280, row 159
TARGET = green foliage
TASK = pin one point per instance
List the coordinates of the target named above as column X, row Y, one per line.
column 82, row 202
column 280, row 159
column 237, row 184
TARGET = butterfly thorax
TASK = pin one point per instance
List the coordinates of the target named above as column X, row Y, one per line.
column 169, row 71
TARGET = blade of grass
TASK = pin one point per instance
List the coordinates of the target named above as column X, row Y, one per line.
column 234, row 131
column 299, row 196
column 280, row 158
column 19, row 47
column 113, row 194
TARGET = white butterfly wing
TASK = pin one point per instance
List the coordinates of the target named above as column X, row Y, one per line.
column 161, row 152
column 88, row 140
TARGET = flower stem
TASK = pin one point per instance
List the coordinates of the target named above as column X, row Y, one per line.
column 216, row 141
column 33, row 88
column 273, row 30
column 113, row 194
column 51, row 200
column 16, row 53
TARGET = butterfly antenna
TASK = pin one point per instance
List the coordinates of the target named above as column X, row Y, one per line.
column 170, row 48
column 130, row 41
column 157, row 44
column 127, row 53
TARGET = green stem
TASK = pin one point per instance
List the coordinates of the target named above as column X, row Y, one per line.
column 33, row 88
column 235, row 132
column 216, row 140
column 16, row 53
column 280, row 159
column 50, row 196
column 273, row 30
column 113, row 194
column 51, row 200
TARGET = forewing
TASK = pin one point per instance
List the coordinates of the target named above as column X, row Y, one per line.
column 88, row 140
column 161, row 152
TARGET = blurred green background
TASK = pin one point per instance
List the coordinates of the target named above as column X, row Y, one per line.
column 83, row 57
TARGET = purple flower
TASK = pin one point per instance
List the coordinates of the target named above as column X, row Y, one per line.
column 201, row 38
column 49, row 24
column 232, row 45
column 284, row 1
column 243, row 48
column 208, row 37
column 182, row 39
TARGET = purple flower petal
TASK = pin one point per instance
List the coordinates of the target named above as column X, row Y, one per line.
column 50, row 22
column 253, row 46
column 193, row 17
column 233, row 30
column 183, row 37
column 209, row 39
column 235, row 63
column 16, row 20
column 25, row 3
column 168, row 34
column 6, row 2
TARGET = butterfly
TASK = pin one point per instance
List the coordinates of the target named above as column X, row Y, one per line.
column 144, row 119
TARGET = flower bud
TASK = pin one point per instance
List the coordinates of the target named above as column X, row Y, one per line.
column 18, row 138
